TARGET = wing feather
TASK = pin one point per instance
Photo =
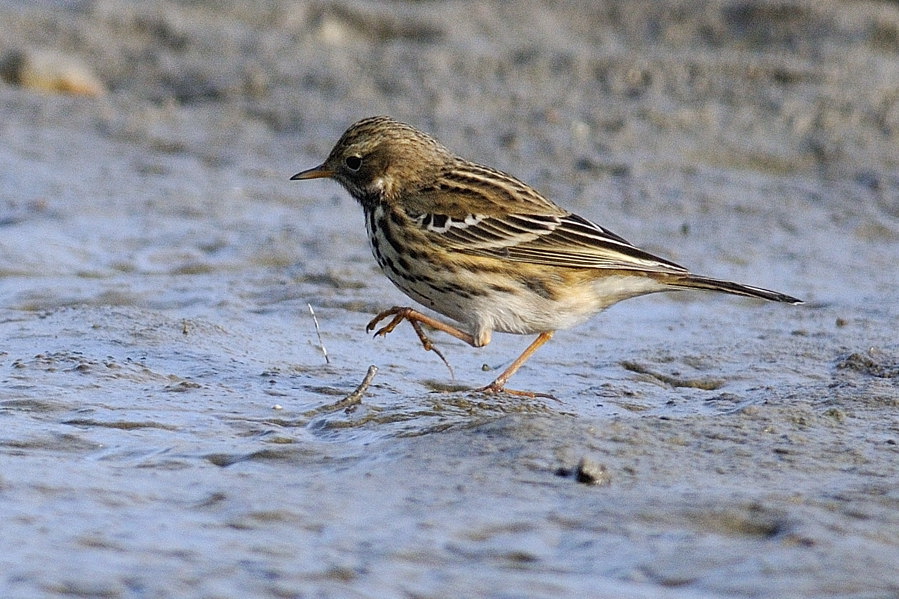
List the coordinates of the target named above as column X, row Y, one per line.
column 565, row 241
column 513, row 221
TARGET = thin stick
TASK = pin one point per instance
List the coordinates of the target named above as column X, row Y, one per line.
column 318, row 332
column 348, row 402
column 356, row 396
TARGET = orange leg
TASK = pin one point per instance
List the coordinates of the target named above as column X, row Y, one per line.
column 414, row 316
column 416, row 319
column 499, row 385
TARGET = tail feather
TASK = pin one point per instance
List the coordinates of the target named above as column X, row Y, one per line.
column 699, row 282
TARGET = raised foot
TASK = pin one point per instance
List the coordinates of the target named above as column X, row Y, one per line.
column 399, row 315
column 415, row 319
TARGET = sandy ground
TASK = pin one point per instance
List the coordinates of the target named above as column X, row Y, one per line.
column 170, row 426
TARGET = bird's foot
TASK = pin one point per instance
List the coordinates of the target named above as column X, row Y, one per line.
column 495, row 388
column 415, row 319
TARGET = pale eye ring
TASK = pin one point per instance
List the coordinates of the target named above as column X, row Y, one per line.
column 354, row 163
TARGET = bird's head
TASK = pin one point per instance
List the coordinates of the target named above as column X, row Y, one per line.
column 381, row 158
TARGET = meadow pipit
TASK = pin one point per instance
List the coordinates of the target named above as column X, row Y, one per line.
column 485, row 249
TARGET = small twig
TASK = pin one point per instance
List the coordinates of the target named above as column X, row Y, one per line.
column 356, row 396
column 318, row 332
column 350, row 400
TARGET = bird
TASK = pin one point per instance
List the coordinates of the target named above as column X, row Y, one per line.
column 486, row 250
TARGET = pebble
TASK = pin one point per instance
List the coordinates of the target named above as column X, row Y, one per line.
column 50, row 71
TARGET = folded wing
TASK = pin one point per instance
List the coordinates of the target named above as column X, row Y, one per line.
column 556, row 240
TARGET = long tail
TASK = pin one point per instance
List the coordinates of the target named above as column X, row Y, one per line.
column 699, row 282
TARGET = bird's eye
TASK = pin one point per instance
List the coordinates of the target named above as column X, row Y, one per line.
column 353, row 162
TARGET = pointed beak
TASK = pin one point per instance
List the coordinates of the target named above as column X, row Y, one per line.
column 318, row 172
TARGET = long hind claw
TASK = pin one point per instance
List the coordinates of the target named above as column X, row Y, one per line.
column 415, row 319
